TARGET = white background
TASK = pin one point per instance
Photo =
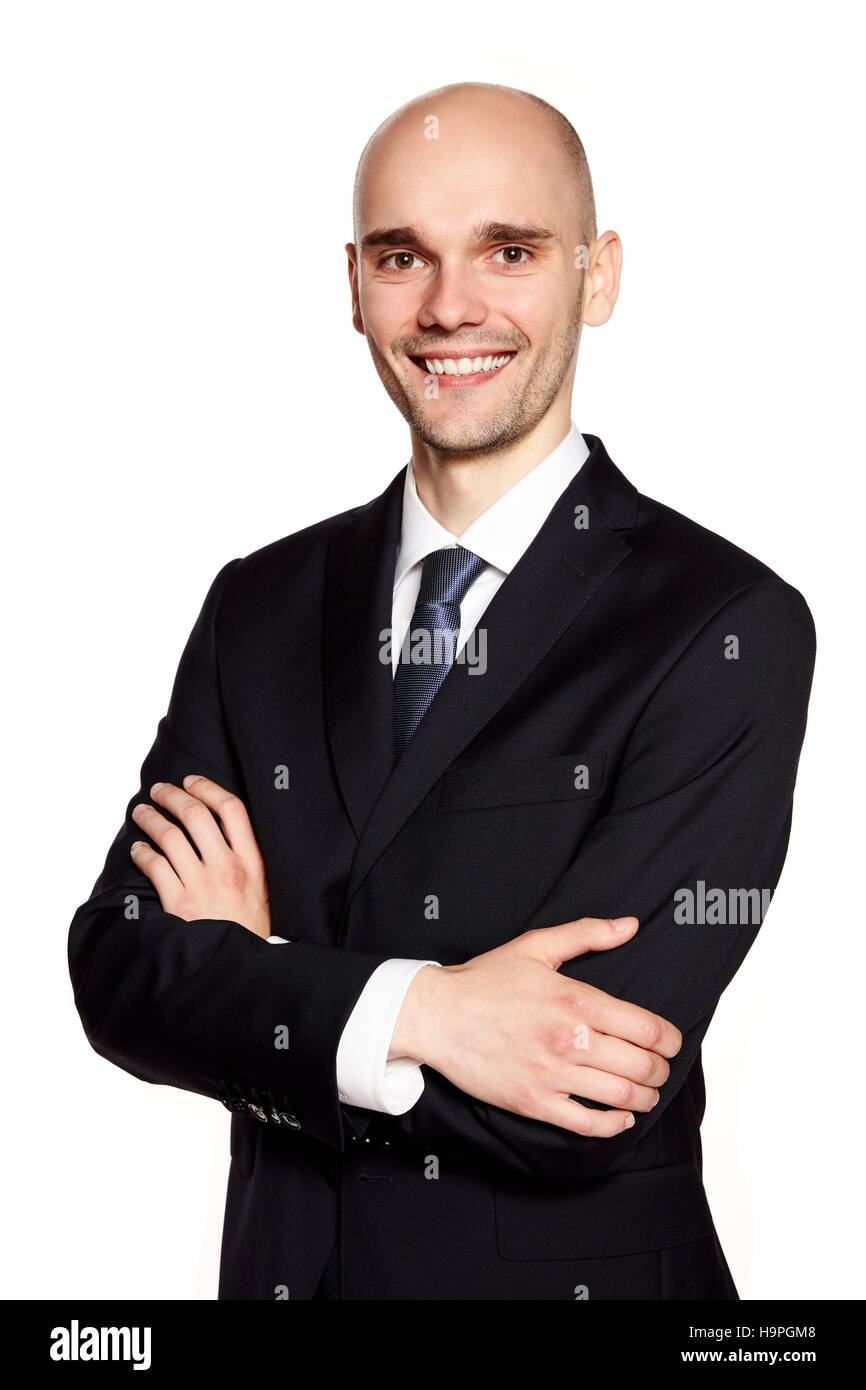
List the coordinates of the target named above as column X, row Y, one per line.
column 181, row 384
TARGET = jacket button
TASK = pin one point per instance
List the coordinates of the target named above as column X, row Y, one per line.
column 237, row 1107
column 258, row 1112
column 287, row 1118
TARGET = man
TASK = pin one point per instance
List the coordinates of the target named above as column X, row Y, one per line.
column 491, row 776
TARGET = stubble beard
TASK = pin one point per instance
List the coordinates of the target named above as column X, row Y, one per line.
column 521, row 411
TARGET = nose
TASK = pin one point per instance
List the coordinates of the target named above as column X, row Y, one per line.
column 453, row 299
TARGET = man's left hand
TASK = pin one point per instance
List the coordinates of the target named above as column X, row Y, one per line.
column 218, row 872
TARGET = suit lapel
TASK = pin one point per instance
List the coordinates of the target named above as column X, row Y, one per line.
column 554, row 580
column 357, row 685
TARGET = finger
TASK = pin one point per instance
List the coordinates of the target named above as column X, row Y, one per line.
column 157, row 868
column 195, row 818
column 619, row 1091
column 171, row 840
column 232, row 813
column 556, row 945
column 620, row 1019
column 621, row 1058
column 579, row 1119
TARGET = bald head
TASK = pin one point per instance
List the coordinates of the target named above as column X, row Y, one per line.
column 475, row 263
column 545, row 135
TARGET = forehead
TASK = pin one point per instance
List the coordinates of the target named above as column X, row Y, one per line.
column 504, row 165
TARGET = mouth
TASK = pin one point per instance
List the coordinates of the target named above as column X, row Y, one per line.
column 464, row 371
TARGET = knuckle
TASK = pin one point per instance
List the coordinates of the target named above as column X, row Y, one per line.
column 651, row 1031
column 175, row 838
column 559, row 1039
column 532, row 938
column 585, row 1121
column 581, row 1002
column 234, row 874
column 646, row 1068
column 623, row 1095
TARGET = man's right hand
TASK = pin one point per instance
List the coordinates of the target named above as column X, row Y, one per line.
column 507, row 1028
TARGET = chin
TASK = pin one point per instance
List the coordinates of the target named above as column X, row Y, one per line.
column 457, row 437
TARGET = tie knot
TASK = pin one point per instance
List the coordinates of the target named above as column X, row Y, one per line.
column 448, row 573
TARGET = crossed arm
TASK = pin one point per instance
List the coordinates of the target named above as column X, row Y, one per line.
column 704, row 792
column 504, row 1028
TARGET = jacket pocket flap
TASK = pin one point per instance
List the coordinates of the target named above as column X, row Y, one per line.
column 569, row 777
column 621, row 1215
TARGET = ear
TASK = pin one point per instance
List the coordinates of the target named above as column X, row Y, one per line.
column 602, row 279
column 353, row 281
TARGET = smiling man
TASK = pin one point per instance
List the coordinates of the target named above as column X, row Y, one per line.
column 403, row 884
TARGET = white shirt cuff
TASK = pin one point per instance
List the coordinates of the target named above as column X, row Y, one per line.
column 365, row 1077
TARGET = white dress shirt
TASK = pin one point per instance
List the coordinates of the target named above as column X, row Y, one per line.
column 500, row 535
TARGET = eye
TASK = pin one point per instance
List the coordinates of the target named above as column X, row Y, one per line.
column 403, row 259
column 510, row 252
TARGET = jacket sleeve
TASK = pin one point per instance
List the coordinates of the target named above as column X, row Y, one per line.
column 703, row 796
column 207, row 1005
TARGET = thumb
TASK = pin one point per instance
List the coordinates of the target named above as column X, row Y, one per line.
column 571, row 939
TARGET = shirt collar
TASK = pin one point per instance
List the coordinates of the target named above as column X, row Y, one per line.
column 502, row 533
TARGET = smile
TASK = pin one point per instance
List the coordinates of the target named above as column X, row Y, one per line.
column 463, row 371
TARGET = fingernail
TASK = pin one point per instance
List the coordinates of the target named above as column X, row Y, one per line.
column 629, row 1122
column 621, row 923
column 190, row 777
column 157, row 787
column 136, row 844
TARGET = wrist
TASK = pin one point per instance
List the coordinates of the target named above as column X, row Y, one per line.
column 413, row 1034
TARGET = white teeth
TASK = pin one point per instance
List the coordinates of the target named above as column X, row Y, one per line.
column 465, row 366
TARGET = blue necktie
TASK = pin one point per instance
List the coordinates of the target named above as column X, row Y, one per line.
column 430, row 645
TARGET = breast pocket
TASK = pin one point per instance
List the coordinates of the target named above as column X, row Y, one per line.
column 526, row 782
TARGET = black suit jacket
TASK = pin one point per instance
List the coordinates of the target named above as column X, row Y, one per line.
column 629, row 642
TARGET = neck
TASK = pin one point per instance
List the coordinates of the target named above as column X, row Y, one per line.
column 456, row 488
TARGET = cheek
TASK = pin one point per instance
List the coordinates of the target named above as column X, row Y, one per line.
column 389, row 311
column 536, row 309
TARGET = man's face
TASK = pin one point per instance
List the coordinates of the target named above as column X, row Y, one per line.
column 466, row 285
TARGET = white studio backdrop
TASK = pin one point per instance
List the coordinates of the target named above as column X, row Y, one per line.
column 182, row 384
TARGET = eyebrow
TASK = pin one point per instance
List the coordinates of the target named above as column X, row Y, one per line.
column 484, row 232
